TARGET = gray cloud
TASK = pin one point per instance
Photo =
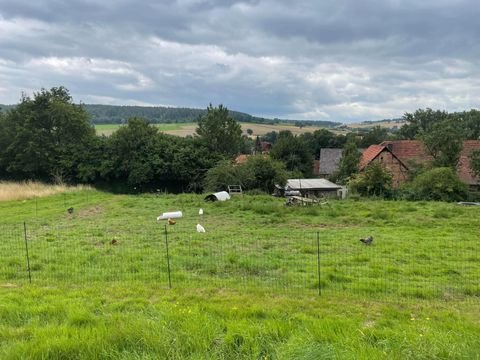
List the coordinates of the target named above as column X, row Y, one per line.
column 338, row 60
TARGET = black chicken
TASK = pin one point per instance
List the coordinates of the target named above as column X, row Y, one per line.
column 367, row 240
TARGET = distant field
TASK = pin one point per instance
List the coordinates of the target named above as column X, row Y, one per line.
column 186, row 129
column 385, row 124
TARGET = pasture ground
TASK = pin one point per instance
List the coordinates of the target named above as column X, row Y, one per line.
column 146, row 320
column 185, row 129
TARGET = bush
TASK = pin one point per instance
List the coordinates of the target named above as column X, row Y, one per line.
column 374, row 181
column 439, row 184
column 258, row 172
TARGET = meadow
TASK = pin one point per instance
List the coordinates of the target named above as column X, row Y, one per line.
column 246, row 289
column 185, row 129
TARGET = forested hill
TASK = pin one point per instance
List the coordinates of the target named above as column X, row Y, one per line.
column 113, row 114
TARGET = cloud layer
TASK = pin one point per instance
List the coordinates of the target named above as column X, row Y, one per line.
column 344, row 60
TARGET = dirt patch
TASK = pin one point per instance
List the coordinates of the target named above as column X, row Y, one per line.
column 91, row 212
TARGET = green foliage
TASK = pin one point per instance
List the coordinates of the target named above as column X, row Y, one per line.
column 321, row 139
column 258, row 172
column 348, row 163
column 293, row 152
column 444, row 141
column 475, row 162
column 271, row 137
column 420, row 121
column 44, row 137
column 439, row 184
column 219, row 131
column 374, row 136
column 374, row 181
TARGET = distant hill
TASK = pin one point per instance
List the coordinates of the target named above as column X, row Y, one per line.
column 115, row 114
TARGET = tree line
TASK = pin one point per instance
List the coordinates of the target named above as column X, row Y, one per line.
column 48, row 137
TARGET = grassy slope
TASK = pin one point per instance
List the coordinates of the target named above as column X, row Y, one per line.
column 144, row 320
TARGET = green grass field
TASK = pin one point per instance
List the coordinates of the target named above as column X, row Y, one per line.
column 108, row 129
column 247, row 288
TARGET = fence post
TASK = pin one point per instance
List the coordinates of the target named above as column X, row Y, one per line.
column 168, row 258
column 26, row 252
column 318, row 263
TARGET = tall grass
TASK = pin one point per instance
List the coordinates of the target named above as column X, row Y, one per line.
column 10, row 191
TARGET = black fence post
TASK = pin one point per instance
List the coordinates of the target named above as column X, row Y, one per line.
column 26, row 252
column 168, row 258
column 318, row 263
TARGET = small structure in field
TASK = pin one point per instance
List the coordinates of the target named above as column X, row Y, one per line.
column 219, row 196
column 310, row 188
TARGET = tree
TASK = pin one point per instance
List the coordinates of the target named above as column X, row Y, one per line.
column 444, row 141
column 219, row 131
column 258, row 172
column 138, row 155
column 374, row 181
column 293, row 152
column 44, row 137
column 348, row 163
column 439, row 184
column 374, row 136
column 421, row 121
column 250, row 132
column 258, row 146
column 271, row 137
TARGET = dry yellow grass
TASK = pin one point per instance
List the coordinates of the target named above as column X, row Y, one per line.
column 30, row 189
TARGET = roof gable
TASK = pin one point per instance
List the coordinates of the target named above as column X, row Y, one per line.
column 369, row 155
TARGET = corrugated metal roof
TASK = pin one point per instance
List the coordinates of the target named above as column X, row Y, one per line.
column 297, row 184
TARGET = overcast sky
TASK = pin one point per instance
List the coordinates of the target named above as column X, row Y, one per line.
column 339, row 60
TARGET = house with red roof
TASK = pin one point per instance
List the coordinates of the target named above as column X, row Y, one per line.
column 400, row 156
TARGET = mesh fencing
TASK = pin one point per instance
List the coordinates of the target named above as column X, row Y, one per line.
column 310, row 262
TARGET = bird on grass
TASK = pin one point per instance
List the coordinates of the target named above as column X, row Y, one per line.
column 200, row 212
column 70, row 210
column 200, row 228
column 114, row 242
column 171, row 221
column 367, row 240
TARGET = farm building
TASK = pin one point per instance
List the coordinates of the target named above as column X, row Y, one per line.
column 311, row 188
column 328, row 162
column 400, row 155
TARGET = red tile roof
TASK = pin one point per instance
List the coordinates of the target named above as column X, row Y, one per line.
column 408, row 150
column 413, row 150
column 369, row 155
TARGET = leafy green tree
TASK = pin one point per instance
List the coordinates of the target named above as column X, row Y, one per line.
column 293, row 152
column 374, row 181
column 223, row 174
column 44, row 137
column 421, row 121
column 258, row 172
column 439, row 184
column 219, row 131
column 250, row 132
column 271, row 137
column 137, row 154
column 264, row 173
column 444, row 141
column 348, row 163
column 374, row 136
